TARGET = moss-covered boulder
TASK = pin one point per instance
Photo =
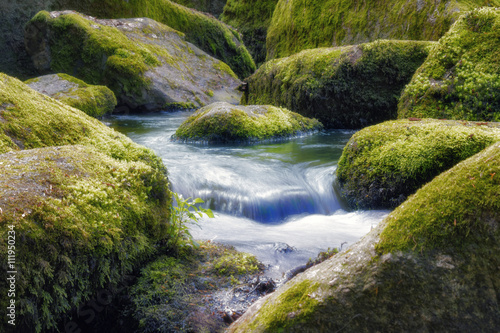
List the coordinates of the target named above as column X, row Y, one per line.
column 148, row 65
column 343, row 87
column 82, row 220
column 95, row 101
column 223, row 122
column 299, row 24
column 433, row 265
column 251, row 18
column 461, row 77
column 383, row 164
column 214, row 7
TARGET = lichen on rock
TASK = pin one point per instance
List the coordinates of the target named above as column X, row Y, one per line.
column 148, row 65
column 223, row 122
column 461, row 77
column 343, row 87
column 95, row 101
column 382, row 165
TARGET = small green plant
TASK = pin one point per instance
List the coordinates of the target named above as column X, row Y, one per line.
column 186, row 212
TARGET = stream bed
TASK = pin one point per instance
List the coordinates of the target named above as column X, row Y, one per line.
column 274, row 200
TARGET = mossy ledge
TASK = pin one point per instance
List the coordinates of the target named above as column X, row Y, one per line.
column 95, row 101
column 433, row 265
column 82, row 220
column 382, row 165
column 461, row 77
column 223, row 122
column 343, row 87
column 299, row 24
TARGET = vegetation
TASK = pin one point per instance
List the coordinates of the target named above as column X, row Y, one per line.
column 343, row 87
column 461, row 77
column 383, row 164
column 251, row 18
column 95, row 101
column 214, row 7
column 299, row 24
column 222, row 122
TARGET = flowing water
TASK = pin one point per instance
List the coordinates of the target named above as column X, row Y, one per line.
column 275, row 199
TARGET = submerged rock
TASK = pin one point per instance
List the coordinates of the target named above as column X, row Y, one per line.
column 82, row 220
column 299, row 24
column 383, row 164
column 95, row 101
column 431, row 265
column 343, row 87
column 148, row 65
column 461, row 77
column 223, row 122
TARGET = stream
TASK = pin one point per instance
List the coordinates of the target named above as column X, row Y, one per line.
column 274, row 199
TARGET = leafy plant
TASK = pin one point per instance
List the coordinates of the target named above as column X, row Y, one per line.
column 184, row 213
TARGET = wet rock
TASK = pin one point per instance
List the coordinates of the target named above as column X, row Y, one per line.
column 148, row 65
column 283, row 248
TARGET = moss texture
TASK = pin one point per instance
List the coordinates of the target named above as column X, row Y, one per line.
column 29, row 120
column 209, row 34
column 214, row 7
column 461, row 77
column 251, row 18
column 299, row 24
column 433, row 265
column 82, row 221
column 95, row 101
column 383, row 164
column 343, row 87
column 223, row 122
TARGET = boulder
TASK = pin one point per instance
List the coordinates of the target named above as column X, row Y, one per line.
column 299, row 24
column 461, row 77
column 148, row 65
column 82, row 220
column 433, row 265
column 223, row 122
column 214, row 7
column 382, row 165
column 343, row 87
column 95, row 101
column 251, row 18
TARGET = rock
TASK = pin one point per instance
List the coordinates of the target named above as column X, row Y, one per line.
column 343, row 87
column 223, row 122
column 299, row 24
column 433, row 265
column 148, row 65
column 383, row 164
column 206, row 32
column 461, row 77
column 95, row 101
column 29, row 120
column 251, row 18
column 82, row 221
column 214, row 7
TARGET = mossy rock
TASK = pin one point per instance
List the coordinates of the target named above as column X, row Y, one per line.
column 299, row 24
column 214, row 7
column 82, row 220
column 382, row 165
column 95, row 101
column 433, row 265
column 29, row 119
column 461, row 77
column 343, row 87
column 223, row 122
column 251, row 18
column 148, row 65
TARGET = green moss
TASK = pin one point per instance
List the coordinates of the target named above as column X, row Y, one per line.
column 207, row 33
column 214, row 7
column 343, row 87
column 82, row 221
column 465, row 209
column 383, row 164
column 292, row 306
column 461, row 77
column 299, row 24
column 222, row 122
column 251, row 18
